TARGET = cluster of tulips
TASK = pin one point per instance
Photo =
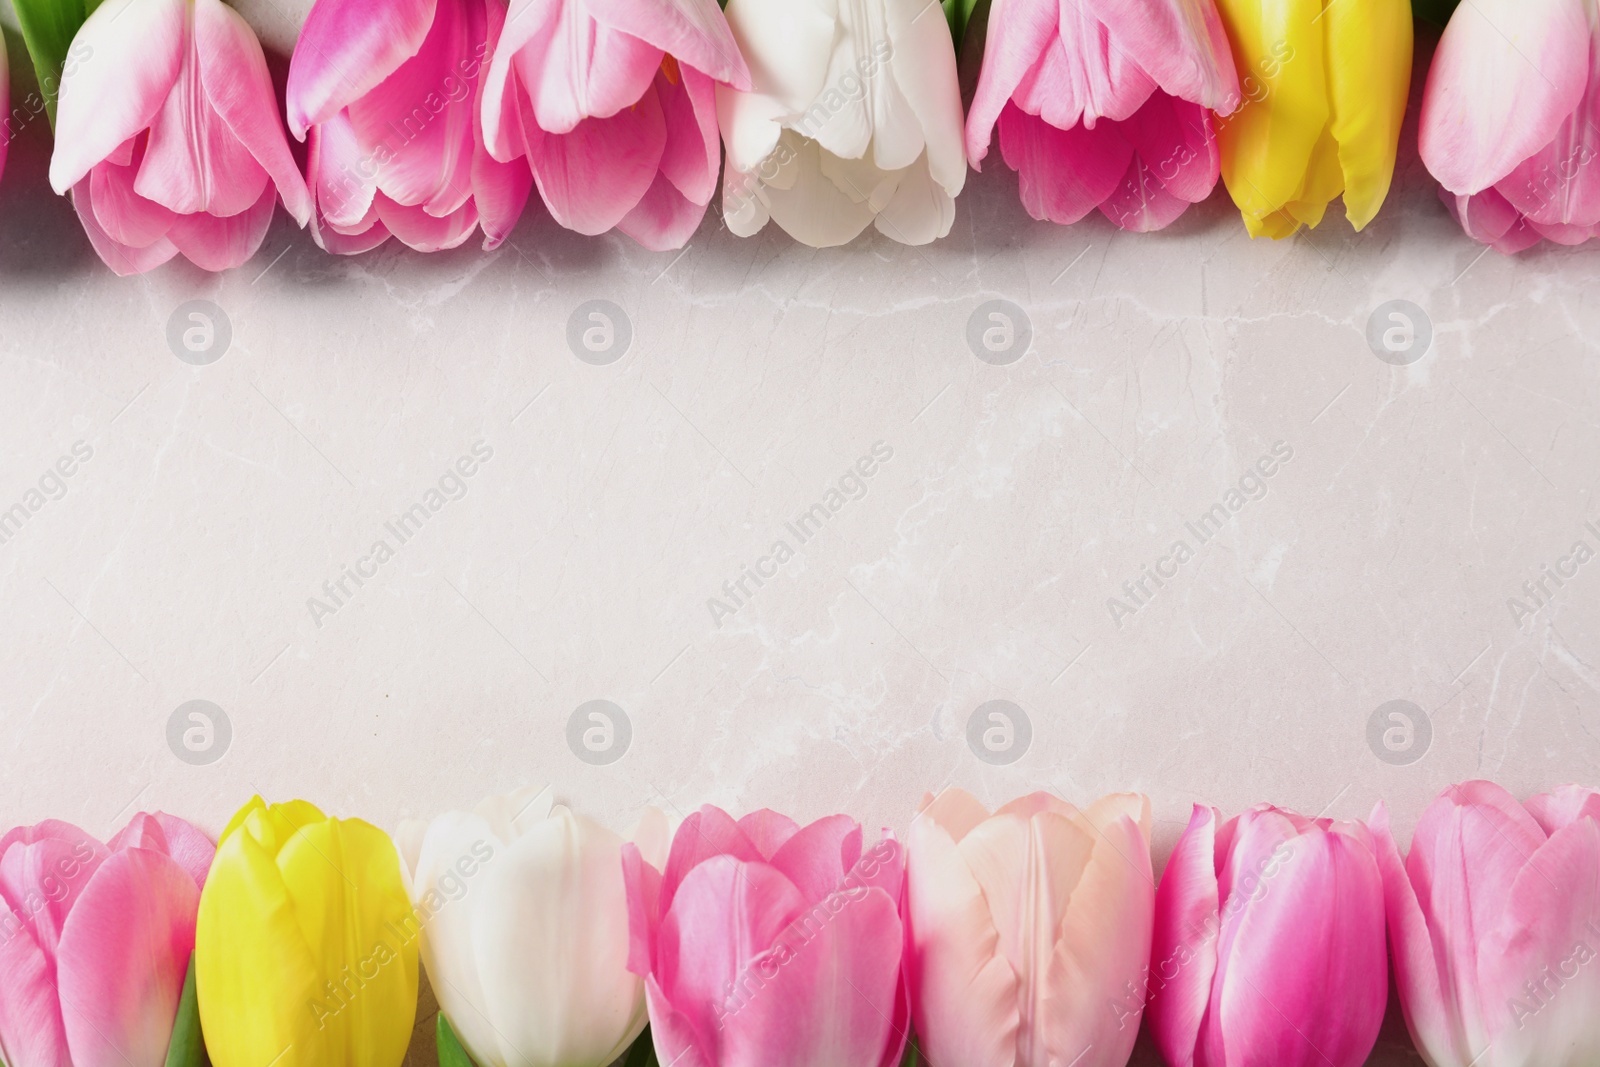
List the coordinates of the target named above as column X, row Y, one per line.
column 1033, row 936
column 427, row 120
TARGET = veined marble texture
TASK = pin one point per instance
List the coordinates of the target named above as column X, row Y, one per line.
column 1000, row 549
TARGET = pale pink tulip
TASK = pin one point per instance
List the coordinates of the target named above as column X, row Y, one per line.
column 1509, row 117
column 1268, row 947
column 169, row 136
column 386, row 95
column 1494, row 919
column 1105, row 103
column 95, row 941
column 612, row 105
column 1030, row 929
column 764, row 944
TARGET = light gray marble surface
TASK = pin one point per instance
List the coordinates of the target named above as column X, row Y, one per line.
column 977, row 566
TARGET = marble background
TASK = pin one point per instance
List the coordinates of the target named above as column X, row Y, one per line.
column 619, row 498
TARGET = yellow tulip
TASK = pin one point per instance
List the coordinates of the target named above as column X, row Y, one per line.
column 306, row 943
column 1324, row 86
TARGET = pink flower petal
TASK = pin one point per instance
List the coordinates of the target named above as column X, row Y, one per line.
column 593, row 176
column 124, row 260
column 1179, row 43
column 212, row 243
column 415, row 227
column 674, row 1038
column 123, row 957
column 1183, row 949
column 138, row 47
column 705, row 833
column 503, row 99
column 31, row 1034
column 1489, row 217
column 693, row 153
column 1504, row 77
column 185, row 843
column 579, row 69
column 1564, row 806
column 817, row 858
column 43, row 869
column 1018, row 33
column 1175, row 164
column 346, row 48
column 1064, row 174
column 642, row 883
column 768, row 830
column 693, row 31
column 124, row 215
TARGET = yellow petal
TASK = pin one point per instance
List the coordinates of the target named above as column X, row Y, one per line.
column 1369, row 42
column 1266, row 146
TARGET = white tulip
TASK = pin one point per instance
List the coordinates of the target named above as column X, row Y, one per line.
column 524, row 929
column 854, row 118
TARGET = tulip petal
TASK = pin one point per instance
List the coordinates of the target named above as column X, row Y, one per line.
column 138, row 48
column 1559, row 185
column 818, row 858
column 124, row 260
column 1369, row 81
column 213, row 243
column 593, row 176
column 31, row 1031
column 346, row 48
column 694, row 32
column 1564, row 806
column 418, row 229
column 577, row 69
column 1504, row 77
column 843, row 967
column 187, row 845
column 1018, row 33
column 234, row 73
column 920, row 211
column 339, row 178
column 693, row 151
column 769, row 831
column 954, row 809
column 1183, row 950
column 1063, row 174
column 1489, row 217
column 1314, row 930
column 674, row 1038
column 705, row 833
column 643, row 883
column 123, row 957
column 1180, row 43
column 126, row 217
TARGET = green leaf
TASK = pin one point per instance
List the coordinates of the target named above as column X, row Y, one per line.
column 958, row 13
column 188, row 1046
column 48, row 27
column 912, row 1056
column 642, row 1053
column 1434, row 11
column 451, row 1054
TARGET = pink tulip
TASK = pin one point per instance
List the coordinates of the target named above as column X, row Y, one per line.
column 1030, row 930
column 611, row 103
column 1509, row 119
column 1268, row 948
column 1105, row 103
column 95, row 941
column 386, row 94
column 169, row 137
column 8, row 124
column 1494, row 919
column 767, row 945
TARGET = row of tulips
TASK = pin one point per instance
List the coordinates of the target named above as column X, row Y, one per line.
column 1033, row 936
column 427, row 120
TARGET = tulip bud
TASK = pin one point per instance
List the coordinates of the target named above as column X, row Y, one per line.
column 1030, row 929
column 306, row 944
column 1323, row 87
column 95, row 941
column 522, row 908
column 1494, row 919
column 1268, row 945
column 1105, row 105
column 386, row 96
column 762, row 942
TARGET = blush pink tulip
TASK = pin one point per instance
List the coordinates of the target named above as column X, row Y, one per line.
column 1105, row 104
column 1268, row 947
column 1029, row 929
column 611, row 104
column 95, row 941
column 765, row 944
column 1494, row 919
column 169, row 136
column 386, row 95
column 1509, row 117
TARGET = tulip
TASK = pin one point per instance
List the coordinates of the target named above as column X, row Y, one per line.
column 1494, row 919
column 1268, row 947
column 611, row 104
column 764, row 944
column 1508, row 121
column 169, row 136
column 1025, row 925
column 306, row 944
column 386, row 97
column 1324, row 85
column 523, row 936
column 1105, row 104
column 95, row 941
column 8, row 124
column 854, row 118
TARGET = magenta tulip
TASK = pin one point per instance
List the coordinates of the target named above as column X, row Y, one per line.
column 611, row 104
column 1030, row 929
column 1494, row 918
column 169, row 136
column 95, row 941
column 764, row 944
column 1268, row 947
column 1105, row 104
column 1508, row 121
column 386, row 95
